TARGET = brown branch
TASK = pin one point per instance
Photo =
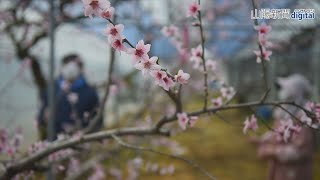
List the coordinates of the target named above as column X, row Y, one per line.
column 101, row 109
column 264, row 66
column 166, row 120
column 25, row 163
column 205, row 74
column 190, row 162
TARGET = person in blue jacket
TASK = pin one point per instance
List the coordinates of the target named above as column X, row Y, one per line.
column 76, row 102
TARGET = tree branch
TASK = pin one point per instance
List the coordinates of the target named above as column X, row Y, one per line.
column 205, row 73
column 25, row 163
column 190, row 162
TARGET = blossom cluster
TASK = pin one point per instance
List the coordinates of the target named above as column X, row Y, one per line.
column 286, row 130
column 264, row 53
column 315, row 121
column 149, row 66
column 42, row 145
column 227, row 93
column 185, row 121
column 10, row 145
column 250, row 124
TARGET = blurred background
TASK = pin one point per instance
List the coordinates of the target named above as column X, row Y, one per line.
column 230, row 40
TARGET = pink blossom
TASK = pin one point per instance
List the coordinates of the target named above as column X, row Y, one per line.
column 306, row 120
column 94, row 7
column 193, row 120
column 217, row 102
column 211, row 65
column 162, row 79
column 196, row 54
column 140, row 52
column 315, row 108
column 227, row 92
column 158, row 76
column 265, row 55
column 114, row 31
column 169, row 31
column 183, row 120
column 286, row 130
column 264, row 42
column 250, row 123
column 193, row 10
column 117, row 44
column 148, row 65
column 263, row 29
column 167, row 83
column 107, row 13
column 182, row 77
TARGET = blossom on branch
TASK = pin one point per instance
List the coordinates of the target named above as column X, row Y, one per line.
column 182, row 77
column 167, row 82
column 264, row 42
column 313, row 122
column 193, row 10
column 250, row 123
column 227, row 92
column 265, row 55
column 217, row 102
column 107, row 13
column 196, row 54
column 114, row 31
column 286, row 130
column 263, row 29
column 161, row 78
column 95, row 7
column 140, row 52
column 183, row 120
column 211, row 65
column 117, row 44
column 193, row 120
column 158, row 76
column 148, row 65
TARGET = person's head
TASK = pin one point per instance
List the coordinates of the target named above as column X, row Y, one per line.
column 71, row 67
column 294, row 88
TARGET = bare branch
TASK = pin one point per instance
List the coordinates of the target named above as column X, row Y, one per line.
column 192, row 163
column 205, row 73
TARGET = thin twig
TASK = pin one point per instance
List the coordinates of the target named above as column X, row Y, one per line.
column 264, row 66
column 190, row 162
column 205, row 74
column 101, row 109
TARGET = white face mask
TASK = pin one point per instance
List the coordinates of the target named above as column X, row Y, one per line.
column 70, row 71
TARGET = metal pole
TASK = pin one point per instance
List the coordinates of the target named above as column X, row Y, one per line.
column 50, row 125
